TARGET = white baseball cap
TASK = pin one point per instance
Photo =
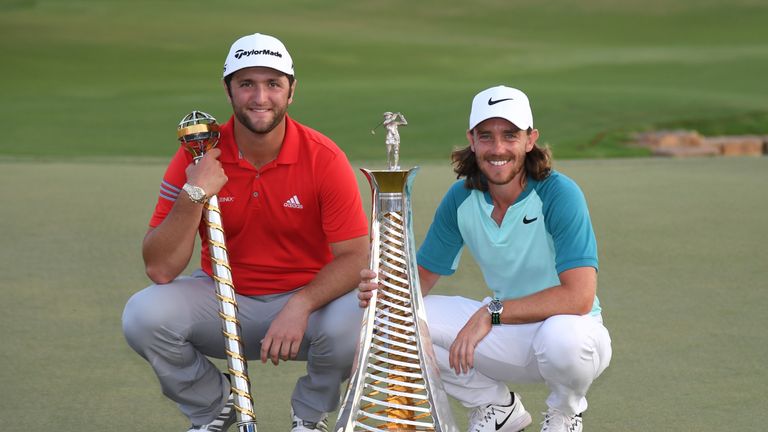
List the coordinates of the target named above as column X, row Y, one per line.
column 504, row 102
column 258, row 50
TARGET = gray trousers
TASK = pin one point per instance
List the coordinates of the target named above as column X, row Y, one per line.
column 176, row 326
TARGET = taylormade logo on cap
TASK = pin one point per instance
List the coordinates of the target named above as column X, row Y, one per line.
column 258, row 50
column 503, row 102
column 239, row 53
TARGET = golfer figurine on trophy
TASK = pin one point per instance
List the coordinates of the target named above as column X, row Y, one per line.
column 395, row 384
column 391, row 122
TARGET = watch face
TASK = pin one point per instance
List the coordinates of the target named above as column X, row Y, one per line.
column 198, row 193
column 495, row 306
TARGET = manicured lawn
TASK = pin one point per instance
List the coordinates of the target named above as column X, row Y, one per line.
column 682, row 280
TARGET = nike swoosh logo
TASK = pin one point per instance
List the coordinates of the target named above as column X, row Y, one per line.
column 500, row 425
column 494, row 102
column 527, row 221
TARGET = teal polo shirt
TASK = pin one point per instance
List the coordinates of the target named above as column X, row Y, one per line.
column 545, row 232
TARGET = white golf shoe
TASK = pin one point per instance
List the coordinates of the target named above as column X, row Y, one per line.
column 222, row 422
column 556, row 421
column 299, row 425
column 500, row 418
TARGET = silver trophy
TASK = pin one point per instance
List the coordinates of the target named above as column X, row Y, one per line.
column 395, row 384
column 198, row 133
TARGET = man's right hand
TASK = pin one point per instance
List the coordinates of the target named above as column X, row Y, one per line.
column 168, row 247
column 367, row 287
column 208, row 173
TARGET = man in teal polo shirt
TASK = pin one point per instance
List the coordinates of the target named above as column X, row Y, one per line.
column 528, row 228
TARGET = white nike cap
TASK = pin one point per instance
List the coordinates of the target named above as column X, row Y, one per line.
column 258, row 50
column 504, row 102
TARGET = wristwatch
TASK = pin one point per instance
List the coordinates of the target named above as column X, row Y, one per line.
column 495, row 308
column 196, row 193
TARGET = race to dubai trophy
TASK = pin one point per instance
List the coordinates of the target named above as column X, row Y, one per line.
column 395, row 383
column 198, row 133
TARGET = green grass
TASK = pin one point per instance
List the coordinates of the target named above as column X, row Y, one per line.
column 748, row 123
column 113, row 78
column 682, row 282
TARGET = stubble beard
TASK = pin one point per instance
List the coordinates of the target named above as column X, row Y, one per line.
column 517, row 168
column 242, row 116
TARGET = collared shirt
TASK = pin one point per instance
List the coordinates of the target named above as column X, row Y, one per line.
column 279, row 219
column 545, row 232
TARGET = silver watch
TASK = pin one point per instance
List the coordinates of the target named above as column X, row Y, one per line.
column 495, row 308
column 195, row 193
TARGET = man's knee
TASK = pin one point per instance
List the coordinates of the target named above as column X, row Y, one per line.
column 337, row 329
column 564, row 345
column 143, row 315
column 446, row 316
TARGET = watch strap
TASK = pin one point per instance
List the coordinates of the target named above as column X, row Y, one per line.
column 495, row 318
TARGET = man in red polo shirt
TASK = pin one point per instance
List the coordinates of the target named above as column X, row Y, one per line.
column 296, row 237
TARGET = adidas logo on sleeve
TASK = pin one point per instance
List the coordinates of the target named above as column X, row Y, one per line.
column 293, row 202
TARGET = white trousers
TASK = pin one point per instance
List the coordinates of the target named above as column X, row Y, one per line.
column 567, row 352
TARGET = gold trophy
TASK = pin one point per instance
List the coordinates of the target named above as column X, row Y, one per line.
column 198, row 133
column 395, row 383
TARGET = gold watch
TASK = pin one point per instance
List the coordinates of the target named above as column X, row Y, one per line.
column 195, row 193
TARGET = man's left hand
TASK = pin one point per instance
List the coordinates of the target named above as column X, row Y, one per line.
column 462, row 354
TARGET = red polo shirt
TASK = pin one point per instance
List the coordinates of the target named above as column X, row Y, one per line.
column 279, row 219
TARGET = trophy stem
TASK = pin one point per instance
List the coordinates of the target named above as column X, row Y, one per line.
column 225, row 292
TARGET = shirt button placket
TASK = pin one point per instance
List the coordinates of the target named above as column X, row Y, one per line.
column 255, row 191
